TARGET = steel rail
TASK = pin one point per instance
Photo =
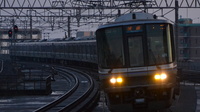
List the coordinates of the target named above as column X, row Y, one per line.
column 75, row 106
column 63, row 97
column 86, row 96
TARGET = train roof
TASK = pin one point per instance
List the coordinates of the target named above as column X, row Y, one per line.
column 135, row 21
column 56, row 42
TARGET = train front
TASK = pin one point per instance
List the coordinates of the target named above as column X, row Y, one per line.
column 137, row 64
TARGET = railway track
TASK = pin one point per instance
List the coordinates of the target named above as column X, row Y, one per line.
column 71, row 91
column 81, row 96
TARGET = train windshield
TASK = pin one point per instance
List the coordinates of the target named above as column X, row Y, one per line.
column 159, row 43
column 110, row 48
column 147, row 44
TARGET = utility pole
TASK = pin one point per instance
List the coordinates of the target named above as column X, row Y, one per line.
column 31, row 27
column 176, row 27
column 13, row 33
column 69, row 30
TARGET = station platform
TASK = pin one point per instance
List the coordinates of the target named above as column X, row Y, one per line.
column 187, row 100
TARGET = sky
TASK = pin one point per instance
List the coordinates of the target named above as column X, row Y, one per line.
column 183, row 13
column 191, row 13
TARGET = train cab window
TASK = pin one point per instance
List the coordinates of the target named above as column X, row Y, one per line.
column 110, row 48
column 159, row 42
column 135, row 46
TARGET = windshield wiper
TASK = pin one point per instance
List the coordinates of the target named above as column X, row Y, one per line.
column 154, row 59
column 114, row 64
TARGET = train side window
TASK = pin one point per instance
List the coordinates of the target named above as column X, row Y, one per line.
column 20, row 47
column 75, row 48
column 91, row 49
column 67, row 48
column 23, row 48
column 42, row 47
column 34, row 48
column 57, row 47
column 31, row 47
column 95, row 49
column 83, row 49
column 70, row 48
column 62, row 48
column 78, row 49
column 50, row 47
column 45, row 48
column 87, row 49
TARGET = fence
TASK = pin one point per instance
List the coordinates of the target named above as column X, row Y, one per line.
column 189, row 71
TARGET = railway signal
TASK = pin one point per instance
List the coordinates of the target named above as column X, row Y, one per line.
column 10, row 33
column 15, row 28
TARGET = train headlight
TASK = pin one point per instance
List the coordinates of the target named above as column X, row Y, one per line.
column 113, row 80
column 162, row 76
column 117, row 80
column 157, row 76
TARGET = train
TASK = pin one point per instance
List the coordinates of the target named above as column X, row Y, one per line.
column 78, row 53
column 136, row 61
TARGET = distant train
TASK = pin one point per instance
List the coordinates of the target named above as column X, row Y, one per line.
column 82, row 52
column 136, row 61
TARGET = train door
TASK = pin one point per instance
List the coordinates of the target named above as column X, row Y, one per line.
column 136, row 54
column 135, row 48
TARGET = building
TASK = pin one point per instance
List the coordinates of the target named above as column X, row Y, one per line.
column 85, row 33
column 21, row 35
column 189, row 44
